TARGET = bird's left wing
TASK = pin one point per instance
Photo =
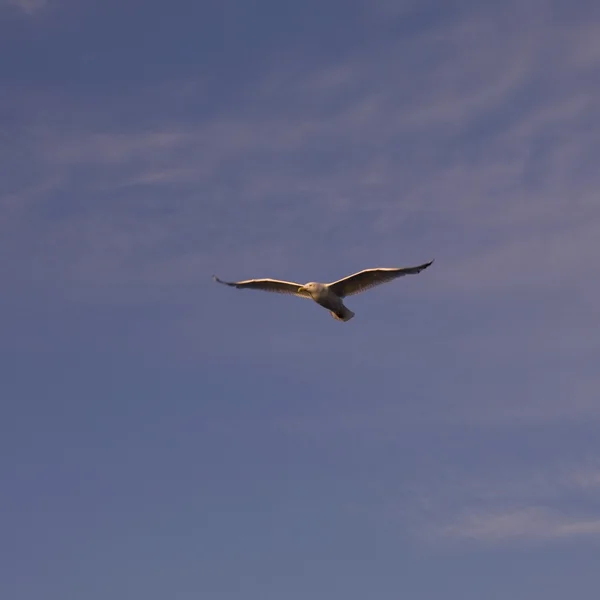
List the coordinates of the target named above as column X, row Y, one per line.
column 364, row 280
column 267, row 285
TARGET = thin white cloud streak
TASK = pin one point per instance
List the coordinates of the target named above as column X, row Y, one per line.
column 543, row 505
column 529, row 524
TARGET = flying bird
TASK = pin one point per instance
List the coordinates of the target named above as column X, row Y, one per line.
column 329, row 295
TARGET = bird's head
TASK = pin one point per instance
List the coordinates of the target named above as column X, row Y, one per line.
column 307, row 287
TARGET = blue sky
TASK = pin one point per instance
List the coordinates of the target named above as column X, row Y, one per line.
column 165, row 437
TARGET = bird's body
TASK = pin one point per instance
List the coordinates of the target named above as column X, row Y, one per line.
column 330, row 295
column 322, row 294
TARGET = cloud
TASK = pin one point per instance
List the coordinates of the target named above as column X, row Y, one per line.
column 532, row 523
column 447, row 143
column 29, row 7
column 550, row 504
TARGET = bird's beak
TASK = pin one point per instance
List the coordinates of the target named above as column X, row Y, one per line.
column 301, row 288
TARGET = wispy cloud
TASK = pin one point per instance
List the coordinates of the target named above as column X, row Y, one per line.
column 542, row 505
column 29, row 7
column 527, row 524
column 408, row 151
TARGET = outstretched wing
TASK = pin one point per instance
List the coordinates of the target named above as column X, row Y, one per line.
column 267, row 285
column 364, row 280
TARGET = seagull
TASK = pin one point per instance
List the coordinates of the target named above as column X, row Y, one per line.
column 329, row 295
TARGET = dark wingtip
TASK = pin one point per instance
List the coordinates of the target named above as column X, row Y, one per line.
column 229, row 283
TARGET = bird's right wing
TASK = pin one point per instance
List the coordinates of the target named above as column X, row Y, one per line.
column 267, row 285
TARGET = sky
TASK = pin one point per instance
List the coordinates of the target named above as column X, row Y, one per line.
column 162, row 436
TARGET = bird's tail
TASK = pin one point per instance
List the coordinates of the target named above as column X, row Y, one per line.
column 344, row 314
